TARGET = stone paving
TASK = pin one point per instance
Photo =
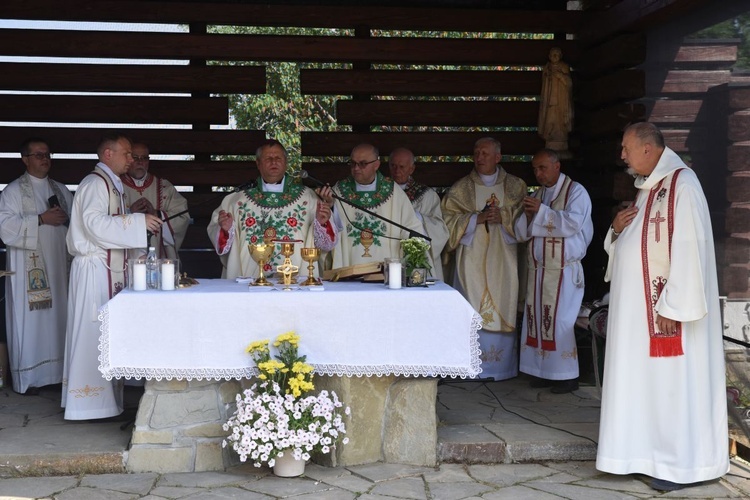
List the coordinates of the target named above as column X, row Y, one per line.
column 485, row 430
column 543, row 481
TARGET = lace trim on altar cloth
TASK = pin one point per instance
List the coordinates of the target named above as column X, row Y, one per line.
column 247, row 372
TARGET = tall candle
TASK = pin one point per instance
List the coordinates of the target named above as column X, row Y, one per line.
column 139, row 277
column 394, row 275
column 167, row 276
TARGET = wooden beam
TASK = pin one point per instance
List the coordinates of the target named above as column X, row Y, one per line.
column 421, row 143
column 625, row 85
column 449, row 113
column 215, row 47
column 433, row 82
column 636, row 15
column 311, row 16
column 133, row 78
column 160, row 141
column 113, row 109
column 707, row 52
column 693, row 81
column 609, row 121
column 677, row 111
column 624, row 51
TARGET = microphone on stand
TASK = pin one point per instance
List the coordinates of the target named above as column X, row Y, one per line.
column 303, row 174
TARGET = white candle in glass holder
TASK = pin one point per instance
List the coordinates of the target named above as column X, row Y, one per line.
column 167, row 276
column 139, row 277
column 394, row 275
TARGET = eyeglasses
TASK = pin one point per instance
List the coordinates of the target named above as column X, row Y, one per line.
column 360, row 164
column 40, row 156
column 140, row 158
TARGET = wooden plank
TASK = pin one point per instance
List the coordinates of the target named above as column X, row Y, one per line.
column 677, row 111
column 313, row 15
column 739, row 126
column 113, row 109
column 450, row 113
column 421, row 143
column 739, row 96
column 738, row 188
column 610, row 121
column 160, row 141
column 133, row 78
column 624, row 51
column 692, row 81
column 625, row 85
column 214, row 47
column 737, row 219
column 184, row 173
column 436, row 82
column 738, row 157
column 702, row 52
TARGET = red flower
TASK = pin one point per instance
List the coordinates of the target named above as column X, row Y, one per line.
column 292, row 221
column 250, row 221
column 253, row 239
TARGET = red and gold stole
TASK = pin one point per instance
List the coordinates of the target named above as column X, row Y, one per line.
column 656, row 249
column 551, row 266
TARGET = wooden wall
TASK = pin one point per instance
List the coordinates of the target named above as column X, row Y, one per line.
column 200, row 87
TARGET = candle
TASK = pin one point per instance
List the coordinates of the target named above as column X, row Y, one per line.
column 167, row 276
column 139, row 277
column 394, row 275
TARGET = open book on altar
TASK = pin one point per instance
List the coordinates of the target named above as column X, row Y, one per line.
column 371, row 271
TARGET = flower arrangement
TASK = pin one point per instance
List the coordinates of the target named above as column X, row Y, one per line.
column 415, row 253
column 272, row 417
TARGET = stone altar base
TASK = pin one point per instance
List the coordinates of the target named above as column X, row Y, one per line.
column 178, row 427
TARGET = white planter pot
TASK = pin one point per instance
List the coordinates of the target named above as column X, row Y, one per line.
column 288, row 466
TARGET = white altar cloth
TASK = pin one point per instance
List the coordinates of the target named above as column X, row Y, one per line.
column 346, row 329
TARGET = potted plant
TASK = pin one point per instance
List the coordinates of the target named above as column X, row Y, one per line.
column 275, row 423
column 416, row 260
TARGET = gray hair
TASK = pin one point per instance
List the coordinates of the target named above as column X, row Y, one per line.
column 492, row 140
column 647, row 133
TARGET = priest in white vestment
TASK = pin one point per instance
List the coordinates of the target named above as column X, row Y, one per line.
column 426, row 203
column 146, row 193
column 664, row 406
column 480, row 211
column 34, row 210
column 100, row 234
column 278, row 207
column 364, row 238
column 557, row 223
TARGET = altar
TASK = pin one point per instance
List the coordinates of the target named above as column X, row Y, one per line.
column 381, row 350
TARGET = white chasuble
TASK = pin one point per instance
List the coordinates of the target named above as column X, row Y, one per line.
column 560, row 233
column 487, row 267
column 36, row 336
column 665, row 417
column 287, row 214
column 98, row 237
column 167, row 201
column 364, row 238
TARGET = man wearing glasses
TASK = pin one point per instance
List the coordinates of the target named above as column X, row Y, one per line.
column 33, row 212
column 147, row 194
column 364, row 238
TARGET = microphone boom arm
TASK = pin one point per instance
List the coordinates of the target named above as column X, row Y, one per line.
column 358, row 207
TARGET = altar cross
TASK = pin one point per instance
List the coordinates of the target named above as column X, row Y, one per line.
column 657, row 220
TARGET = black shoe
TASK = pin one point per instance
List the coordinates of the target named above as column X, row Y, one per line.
column 564, row 386
column 538, row 383
column 664, row 485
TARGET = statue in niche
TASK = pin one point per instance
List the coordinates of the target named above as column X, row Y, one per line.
column 556, row 104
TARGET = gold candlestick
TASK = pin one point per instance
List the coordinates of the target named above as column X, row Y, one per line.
column 310, row 255
column 261, row 253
